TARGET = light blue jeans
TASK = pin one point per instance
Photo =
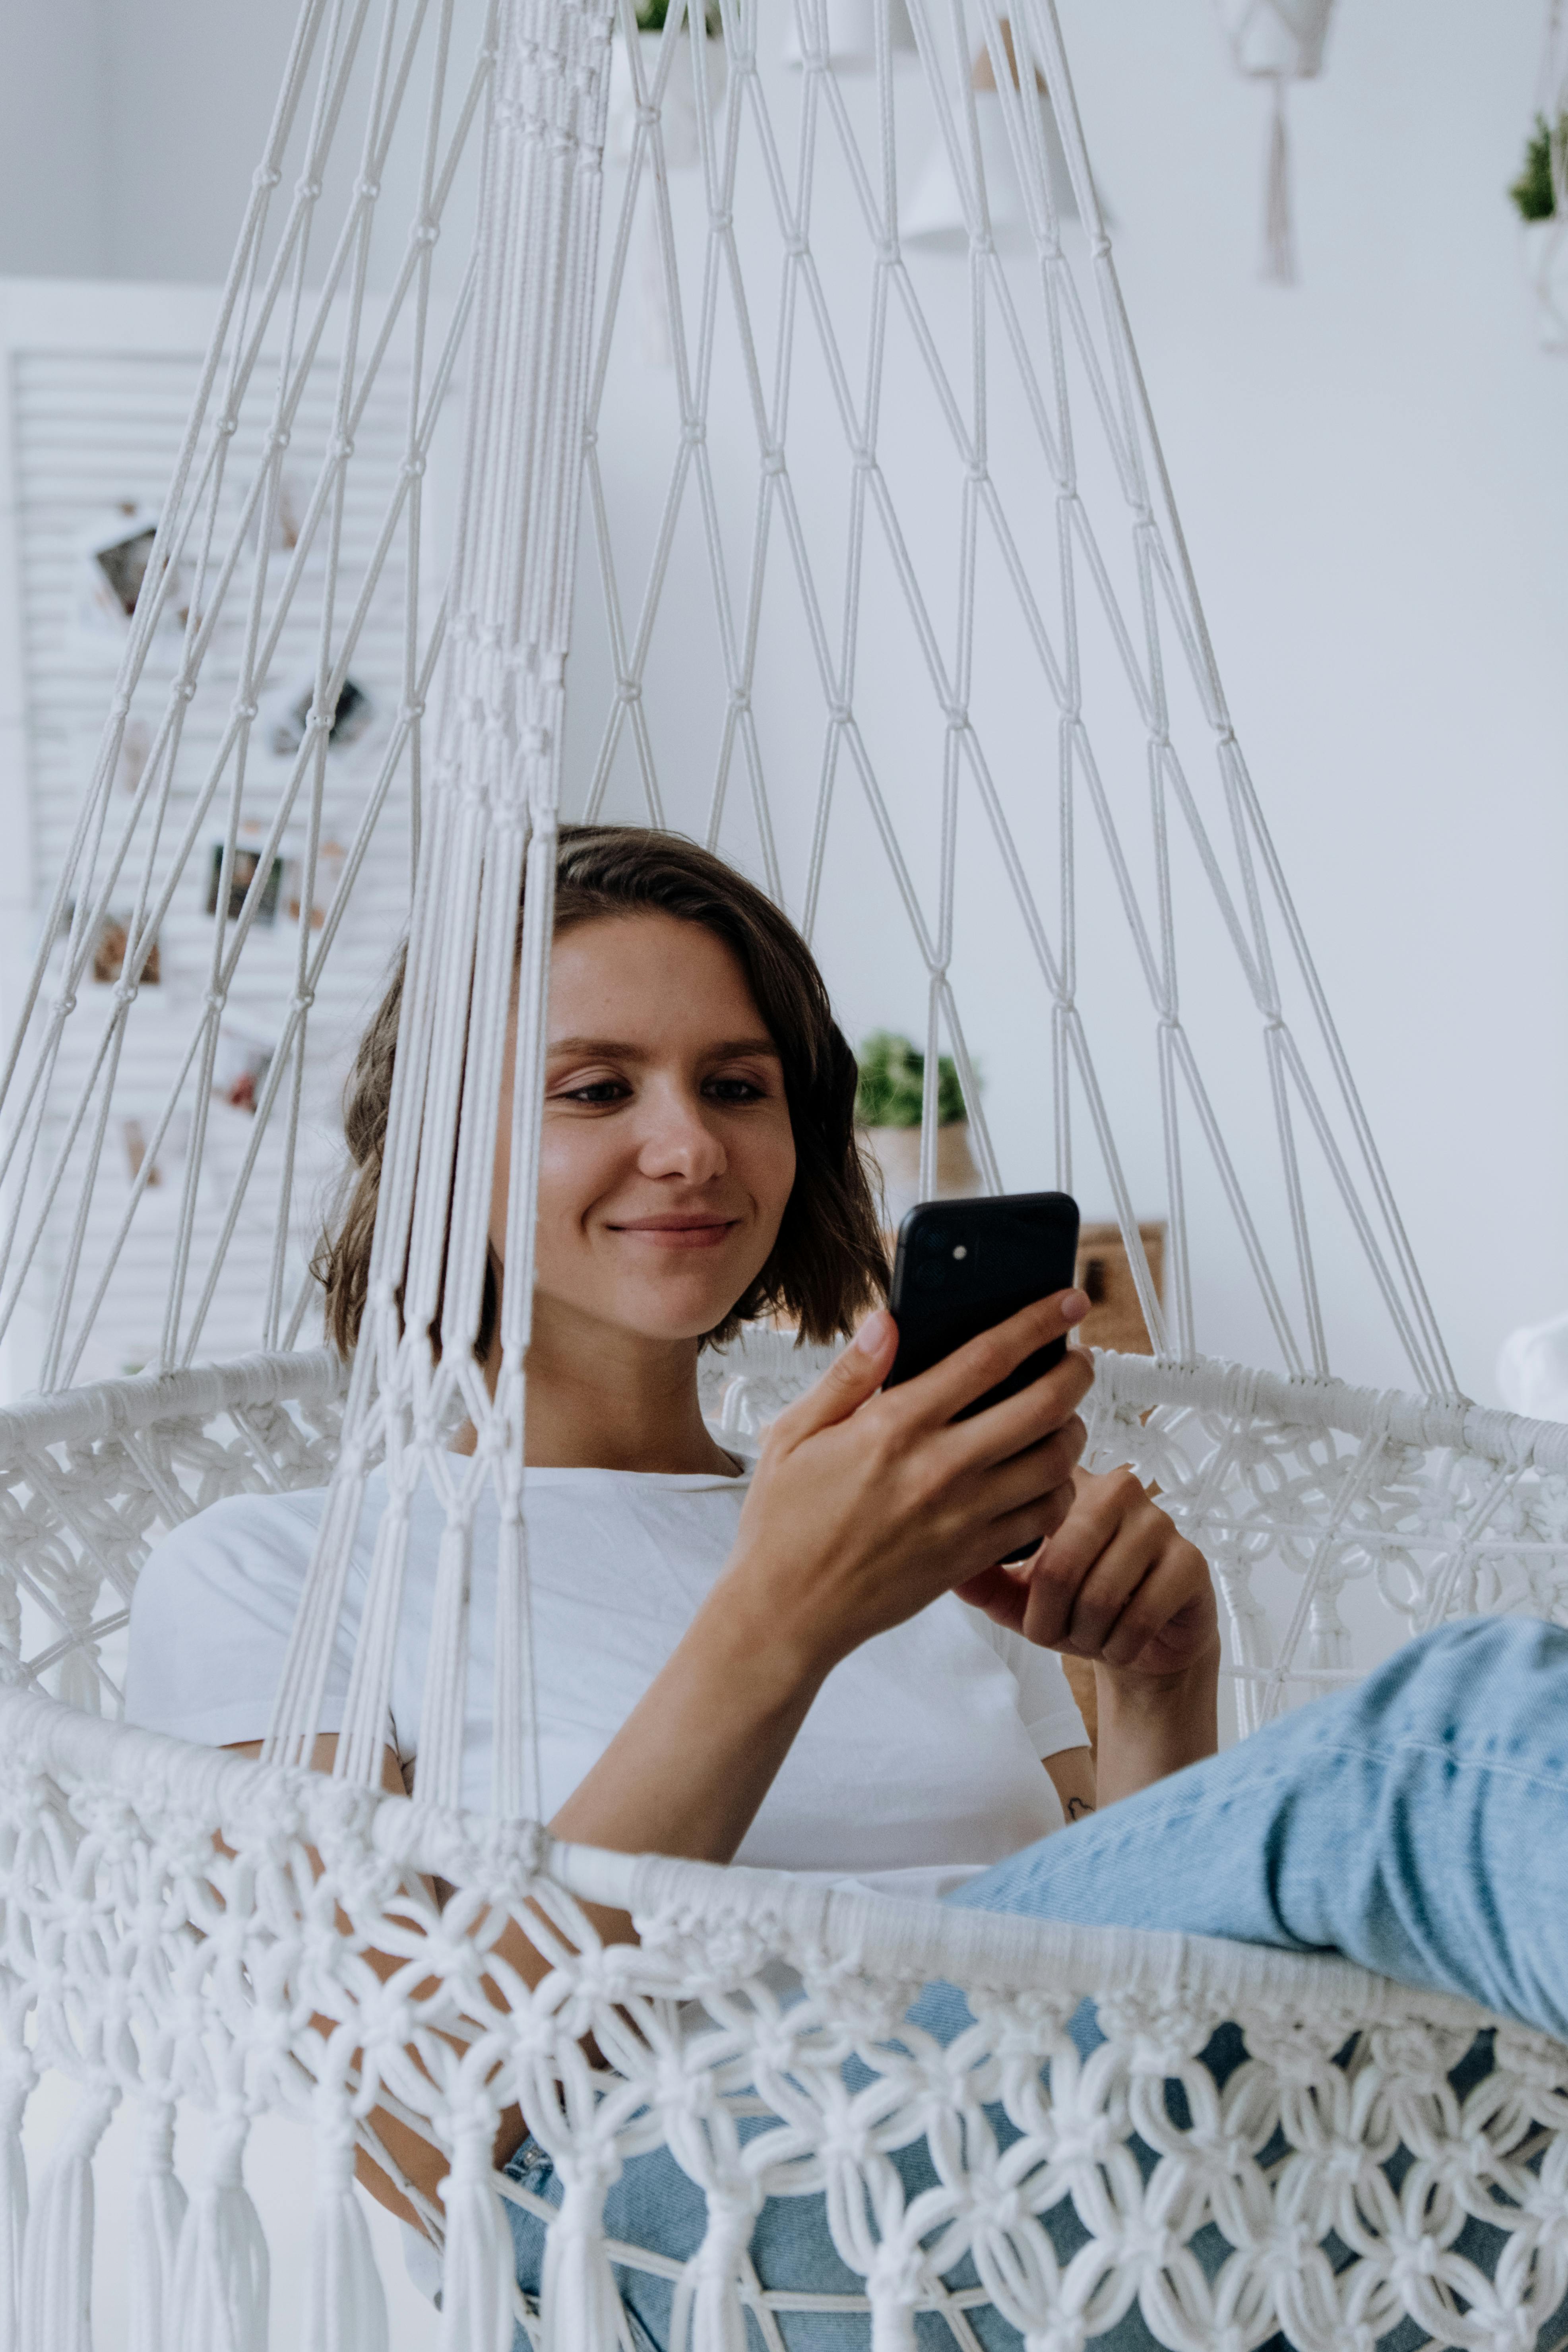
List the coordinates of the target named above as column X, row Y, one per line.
column 1417, row 1824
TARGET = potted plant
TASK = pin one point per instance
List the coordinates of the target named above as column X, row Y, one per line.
column 677, row 111
column 1537, row 197
column 888, row 1106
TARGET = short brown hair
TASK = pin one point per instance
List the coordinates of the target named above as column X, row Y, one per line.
column 829, row 1263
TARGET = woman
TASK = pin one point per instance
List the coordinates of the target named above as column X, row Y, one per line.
column 725, row 1648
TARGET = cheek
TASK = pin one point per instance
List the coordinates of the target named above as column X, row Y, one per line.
column 773, row 1168
column 575, row 1164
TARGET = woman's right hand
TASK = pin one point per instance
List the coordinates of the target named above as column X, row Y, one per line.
column 865, row 1507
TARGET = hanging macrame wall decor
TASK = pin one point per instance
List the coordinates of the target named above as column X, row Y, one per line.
column 1541, row 194
column 1278, row 42
column 877, row 586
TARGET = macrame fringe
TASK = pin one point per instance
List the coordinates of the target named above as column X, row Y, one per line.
column 18, row 2077
column 157, row 2218
column 578, row 2304
column 1279, row 229
column 347, row 2310
column 479, row 2267
column 220, row 2284
column 56, row 2260
column 709, row 2315
column 892, row 2320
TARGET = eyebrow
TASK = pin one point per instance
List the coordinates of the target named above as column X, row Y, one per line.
column 616, row 1049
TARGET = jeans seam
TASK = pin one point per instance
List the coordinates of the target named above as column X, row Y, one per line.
column 1557, row 1780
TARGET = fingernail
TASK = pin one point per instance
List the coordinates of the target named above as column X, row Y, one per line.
column 873, row 1331
column 1075, row 1306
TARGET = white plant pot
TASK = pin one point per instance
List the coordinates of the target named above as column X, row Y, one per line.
column 897, row 1153
column 934, row 215
column 678, row 108
column 1544, row 246
column 849, row 28
column 1279, row 38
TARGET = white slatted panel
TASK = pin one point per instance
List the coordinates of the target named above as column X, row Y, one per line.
column 92, row 431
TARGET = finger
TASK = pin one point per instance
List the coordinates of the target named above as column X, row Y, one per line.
column 848, row 1380
column 998, row 1593
column 1025, row 1529
column 1176, row 1589
column 938, row 1395
column 1094, row 1562
column 1027, row 1477
column 1019, row 1421
column 1112, row 1581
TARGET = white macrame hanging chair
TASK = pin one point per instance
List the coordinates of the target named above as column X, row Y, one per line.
column 879, row 587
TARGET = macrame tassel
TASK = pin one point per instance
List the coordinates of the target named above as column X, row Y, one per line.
column 157, row 2218
column 220, row 2288
column 578, row 2303
column 1279, row 233
column 348, row 2307
column 479, row 2268
column 892, row 2321
column 57, row 2260
column 718, row 2321
column 17, row 2076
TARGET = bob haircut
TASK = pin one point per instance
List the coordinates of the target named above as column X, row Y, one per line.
column 829, row 1262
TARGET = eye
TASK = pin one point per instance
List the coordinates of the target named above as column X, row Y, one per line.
column 597, row 1093
column 736, row 1090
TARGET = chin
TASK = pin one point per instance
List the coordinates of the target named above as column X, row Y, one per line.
column 669, row 1319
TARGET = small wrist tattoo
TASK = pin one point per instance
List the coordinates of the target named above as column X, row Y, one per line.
column 1079, row 1807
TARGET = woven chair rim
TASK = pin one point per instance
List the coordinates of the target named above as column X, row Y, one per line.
column 811, row 1927
column 103, row 1409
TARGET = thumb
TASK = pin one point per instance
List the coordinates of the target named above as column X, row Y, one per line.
column 848, row 1380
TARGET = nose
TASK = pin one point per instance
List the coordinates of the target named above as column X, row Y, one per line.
column 678, row 1139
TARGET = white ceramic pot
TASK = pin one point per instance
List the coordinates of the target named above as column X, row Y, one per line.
column 677, row 109
column 897, row 1153
column 1544, row 246
column 1281, row 39
column 847, row 26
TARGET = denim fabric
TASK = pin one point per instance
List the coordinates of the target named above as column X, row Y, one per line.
column 1417, row 1824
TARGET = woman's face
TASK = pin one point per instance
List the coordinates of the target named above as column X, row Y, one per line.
column 667, row 1156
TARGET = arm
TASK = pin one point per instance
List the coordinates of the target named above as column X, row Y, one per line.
column 1071, row 1773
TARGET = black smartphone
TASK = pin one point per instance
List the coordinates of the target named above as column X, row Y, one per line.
column 963, row 1265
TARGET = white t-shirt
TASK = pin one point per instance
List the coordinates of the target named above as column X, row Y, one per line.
column 918, row 1765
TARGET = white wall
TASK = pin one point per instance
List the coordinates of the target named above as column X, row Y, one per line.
column 1371, row 470
column 53, row 123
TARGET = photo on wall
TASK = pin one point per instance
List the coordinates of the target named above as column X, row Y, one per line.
column 117, row 555
column 239, row 1067
column 242, row 875
column 136, row 1134
column 291, row 715
column 109, row 955
column 329, row 859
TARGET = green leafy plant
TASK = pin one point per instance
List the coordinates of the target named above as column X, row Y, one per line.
column 651, row 15
column 1534, row 191
column 892, row 1084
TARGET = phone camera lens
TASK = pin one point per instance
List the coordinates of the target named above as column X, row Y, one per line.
column 932, row 1237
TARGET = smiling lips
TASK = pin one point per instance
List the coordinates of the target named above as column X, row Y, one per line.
column 677, row 1232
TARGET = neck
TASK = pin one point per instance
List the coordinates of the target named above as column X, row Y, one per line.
column 600, row 1397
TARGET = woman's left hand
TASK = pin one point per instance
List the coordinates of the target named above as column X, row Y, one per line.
column 1116, row 1584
